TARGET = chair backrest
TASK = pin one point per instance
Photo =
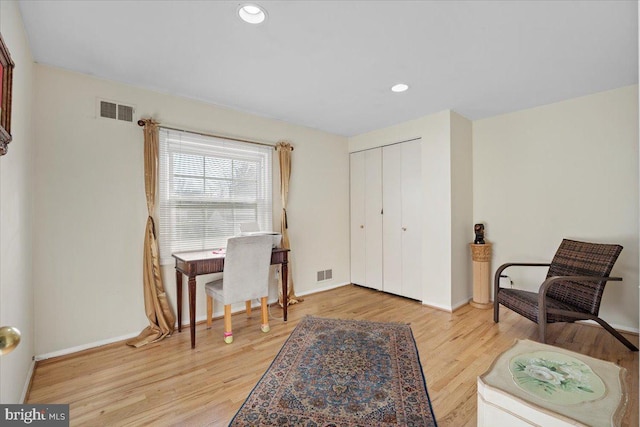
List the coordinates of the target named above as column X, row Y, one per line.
column 246, row 268
column 575, row 258
column 249, row 227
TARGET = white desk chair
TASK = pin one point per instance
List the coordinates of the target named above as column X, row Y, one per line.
column 245, row 277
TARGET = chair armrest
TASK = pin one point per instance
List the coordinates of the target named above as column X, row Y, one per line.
column 551, row 280
column 544, row 288
column 496, row 280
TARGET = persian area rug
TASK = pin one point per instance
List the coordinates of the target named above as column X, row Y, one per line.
column 333, row 372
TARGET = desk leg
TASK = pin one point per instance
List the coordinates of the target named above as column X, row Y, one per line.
column 179, row 296
column 192, row 309
column 285, row 288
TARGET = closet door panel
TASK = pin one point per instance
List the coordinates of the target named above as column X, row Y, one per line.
column 392, row 218
column 373, row 218
column 357, row 213
column 411, row 219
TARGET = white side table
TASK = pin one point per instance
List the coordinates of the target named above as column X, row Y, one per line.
column 534, row 384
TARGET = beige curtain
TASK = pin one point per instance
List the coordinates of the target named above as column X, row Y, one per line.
column 158, row 310
column 284, row 155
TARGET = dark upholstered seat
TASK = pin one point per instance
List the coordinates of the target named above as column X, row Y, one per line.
column 572, row 290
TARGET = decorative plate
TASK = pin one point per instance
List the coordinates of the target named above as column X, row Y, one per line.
column 556, row 377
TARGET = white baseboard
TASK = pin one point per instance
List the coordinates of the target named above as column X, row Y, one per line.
column 447, row 308
column 76, row 349
column 441, row 307
column 27, row 383
column 451, row 309
column 201, row 318
column 324, row 288
column 461, row 304
column 256, row 304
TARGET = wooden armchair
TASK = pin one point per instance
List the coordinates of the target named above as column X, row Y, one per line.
column 572, row 290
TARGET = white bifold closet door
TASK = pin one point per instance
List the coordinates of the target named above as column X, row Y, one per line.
column 366, row 218
column 402, row 231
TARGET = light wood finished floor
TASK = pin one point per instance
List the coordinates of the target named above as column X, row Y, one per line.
column 167, row 383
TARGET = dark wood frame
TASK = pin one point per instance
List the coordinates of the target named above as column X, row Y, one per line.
column 5, row 102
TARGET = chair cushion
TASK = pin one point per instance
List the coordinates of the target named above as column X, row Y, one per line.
column 214, row 289
column 525, row 303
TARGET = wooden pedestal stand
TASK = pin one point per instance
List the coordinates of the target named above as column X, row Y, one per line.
column 481, row 256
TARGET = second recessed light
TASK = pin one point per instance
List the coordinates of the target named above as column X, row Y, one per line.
column 400, row 87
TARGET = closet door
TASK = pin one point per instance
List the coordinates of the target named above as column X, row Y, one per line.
column 392, row 218
column 412, row 219
column 366, row 218
column 373, row 217
column 357, row 212
column 402, row 232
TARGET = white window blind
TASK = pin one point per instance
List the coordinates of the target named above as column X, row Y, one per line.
column 208, row 187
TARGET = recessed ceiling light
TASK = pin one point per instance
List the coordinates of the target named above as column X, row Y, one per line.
column 400, row 87
column 252, row 13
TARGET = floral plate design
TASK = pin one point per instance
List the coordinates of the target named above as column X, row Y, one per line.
column 556, row 377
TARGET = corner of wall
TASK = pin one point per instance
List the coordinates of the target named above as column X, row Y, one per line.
column 461, row 206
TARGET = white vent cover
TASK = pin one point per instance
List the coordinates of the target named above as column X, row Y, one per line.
column 115, row 110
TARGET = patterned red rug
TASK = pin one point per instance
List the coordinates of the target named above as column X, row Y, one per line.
column 333, row 372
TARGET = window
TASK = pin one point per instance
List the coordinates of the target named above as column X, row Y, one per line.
column 208, row 187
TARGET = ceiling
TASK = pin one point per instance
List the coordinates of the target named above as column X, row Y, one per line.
column 329, row 65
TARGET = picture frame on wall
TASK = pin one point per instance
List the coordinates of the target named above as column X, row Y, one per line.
column 6, row 80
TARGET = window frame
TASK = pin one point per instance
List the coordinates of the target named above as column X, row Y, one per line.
column 172, row 204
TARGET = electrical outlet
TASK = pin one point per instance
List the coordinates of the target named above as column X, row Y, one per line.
column 505, row 281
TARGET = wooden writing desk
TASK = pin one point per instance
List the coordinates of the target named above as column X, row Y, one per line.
column 195, row 263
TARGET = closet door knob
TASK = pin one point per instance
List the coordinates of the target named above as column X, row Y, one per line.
column 404, row 228
column 361, row 226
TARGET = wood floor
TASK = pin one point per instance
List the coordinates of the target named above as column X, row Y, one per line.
column 167, row 383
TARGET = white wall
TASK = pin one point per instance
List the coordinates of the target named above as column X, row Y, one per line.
column 443, row 242
column 16, row 285
column 461, row 209
column 436, row 228
column 89, row 197
column 568, row 169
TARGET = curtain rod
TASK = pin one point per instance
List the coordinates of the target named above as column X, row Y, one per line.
column 141, row 123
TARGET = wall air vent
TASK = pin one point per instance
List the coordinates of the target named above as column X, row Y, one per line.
column 115, row 110
column 324, row 275
column 108, row 109
column 125, row 113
